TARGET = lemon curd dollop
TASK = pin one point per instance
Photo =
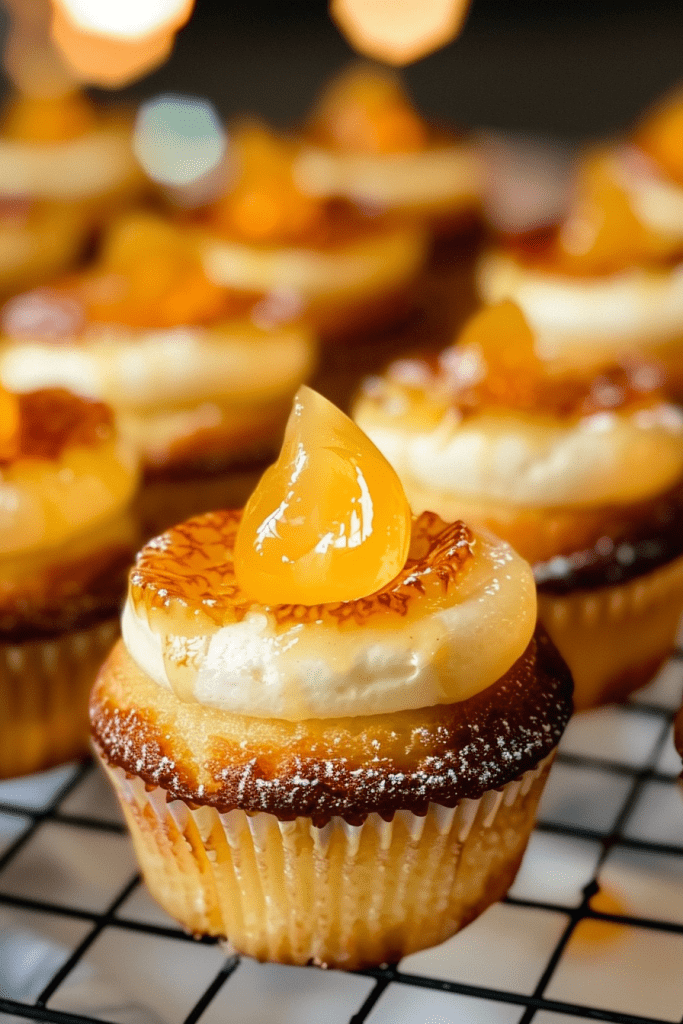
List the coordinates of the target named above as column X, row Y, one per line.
column 329, row 521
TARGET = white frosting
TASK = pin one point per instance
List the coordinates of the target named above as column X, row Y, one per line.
column 441, row 175
column 532, row 461
column 82, row 168
column 137, row 369
column 317, row 670
column 600, row 316
column 367, row 265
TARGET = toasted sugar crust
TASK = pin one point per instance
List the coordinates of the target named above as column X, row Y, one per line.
column 191, row 567
column 53, row 419
column 346, row 767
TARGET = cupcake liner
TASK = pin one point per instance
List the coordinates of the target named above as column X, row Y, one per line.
column 341, row 895
column 44, row 689
column 614, row 639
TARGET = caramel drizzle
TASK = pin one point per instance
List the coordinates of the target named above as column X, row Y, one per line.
column 191, row 565
column 52, row 420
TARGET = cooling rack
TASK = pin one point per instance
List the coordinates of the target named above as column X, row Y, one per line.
column 592, row 929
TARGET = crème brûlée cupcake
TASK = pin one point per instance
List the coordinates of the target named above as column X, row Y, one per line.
column 367, row 143
column 66, row 539
column 581, row 473
column 608, row 279
column 63, row 168
column 200, row 377
column 328, row 722
column 347, row 271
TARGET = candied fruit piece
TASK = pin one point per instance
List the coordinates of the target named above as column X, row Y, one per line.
column 132, row 238
column 49, row 119
column 367, row 111
column 151, row 276
column 265, row 203
column 661, row 136
column 329, row 521
column 503, row 339
column 602, row 233
column 9, row 425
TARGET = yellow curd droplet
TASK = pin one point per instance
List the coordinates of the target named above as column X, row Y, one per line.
column 9, row 425
column 329, row 521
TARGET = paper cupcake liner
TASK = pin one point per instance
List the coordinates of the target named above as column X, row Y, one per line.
column 342, row 895
column 44, row 690
column 614, row 639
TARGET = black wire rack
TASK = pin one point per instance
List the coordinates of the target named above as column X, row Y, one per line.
column 611, row 822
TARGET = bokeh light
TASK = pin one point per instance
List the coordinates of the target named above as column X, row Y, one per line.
column 181, row 143
column 399, row 31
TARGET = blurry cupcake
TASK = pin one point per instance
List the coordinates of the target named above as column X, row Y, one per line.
column 329, row 723
column 200, row 377
column 582, row 473
column 609, row 279
column 63, row 167
column 366, row 143
column 347, row 271
column 66, row 538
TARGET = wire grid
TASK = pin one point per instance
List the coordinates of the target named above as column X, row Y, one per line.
column 635, row 760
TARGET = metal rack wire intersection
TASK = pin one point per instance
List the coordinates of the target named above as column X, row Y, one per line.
column 636, row 777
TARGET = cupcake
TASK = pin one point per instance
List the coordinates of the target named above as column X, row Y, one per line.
column 63, row 166
column 66, row 537
column 328, row 722
column 608, row 279
column 582, row 473
column 349, row 272
column 200, row 377
column 366, row 143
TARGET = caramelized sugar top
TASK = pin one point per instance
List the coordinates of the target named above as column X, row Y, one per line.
column 189, row 570
column 265, row 204
column 329, row 521
column 43, row 424
column 494, row 364
column 601, row 233
column 366, row 110
column 147, row 276
column 661, row 136
column 48, row 119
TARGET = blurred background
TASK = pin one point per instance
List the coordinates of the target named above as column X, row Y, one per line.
column 568, row 70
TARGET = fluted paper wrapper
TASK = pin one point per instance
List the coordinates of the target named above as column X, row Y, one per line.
column 341, row 895
column 44, row 690
column 614, row 639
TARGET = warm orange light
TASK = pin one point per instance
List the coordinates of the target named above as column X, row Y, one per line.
column 126, row 19
column 399, row 31
column 591, row 935
column 329, row 521
column 103, row 48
